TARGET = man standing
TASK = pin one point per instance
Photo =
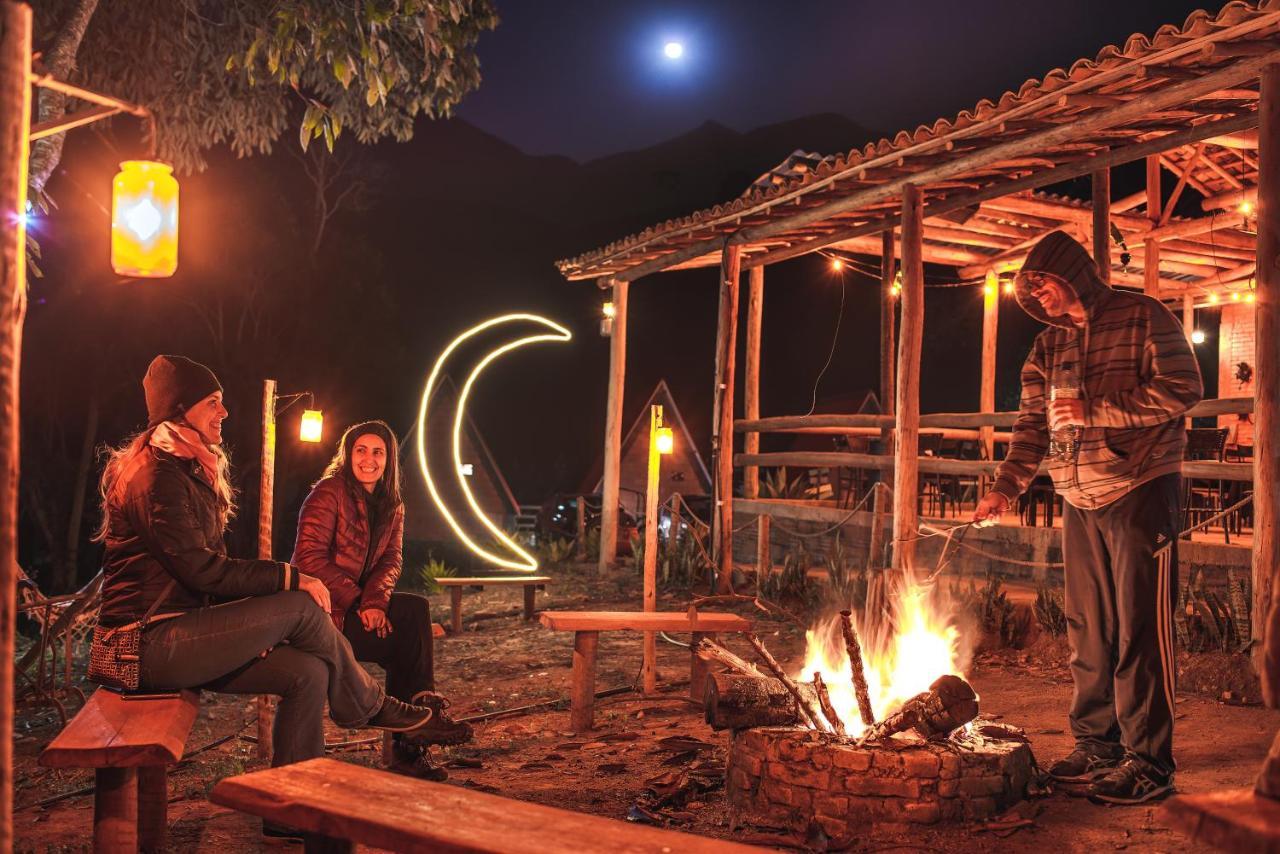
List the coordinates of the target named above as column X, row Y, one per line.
column 1104, row 391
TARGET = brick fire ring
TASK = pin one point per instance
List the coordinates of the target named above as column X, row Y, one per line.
column 791, row 777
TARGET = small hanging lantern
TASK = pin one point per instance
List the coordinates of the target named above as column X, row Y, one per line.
column 666, row 440
column 607, row 314
column 144, row 220
column 312, row 425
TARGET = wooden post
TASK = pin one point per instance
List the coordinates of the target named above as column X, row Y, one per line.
column 1151, row 248
column 875, row 549
column 153, row 807
column 1266, row 433
column 455, row 610
column 907, row 444
column 15, row 125
column 649, row 667
column 582, row 527
column 530, row 598
column 726, row 354
column 751, row 378
column 987, row 390
column 1188, row 314
column 266, row 502
column 697, row 667
column 1102, row 222
column 764, row 557
column 583, row 675
column 887, row 303
column 613, row 429
column 115, row 810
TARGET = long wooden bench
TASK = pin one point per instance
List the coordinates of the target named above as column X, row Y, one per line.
column 530, row 583
column 338, row 805
column 129, row 742
column 587, row 625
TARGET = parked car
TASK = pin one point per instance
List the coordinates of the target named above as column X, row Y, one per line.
column 558, row 518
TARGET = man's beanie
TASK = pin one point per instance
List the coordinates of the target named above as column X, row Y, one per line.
column 173, row 385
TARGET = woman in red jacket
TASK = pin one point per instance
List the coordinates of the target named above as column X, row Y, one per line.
column 351, row 537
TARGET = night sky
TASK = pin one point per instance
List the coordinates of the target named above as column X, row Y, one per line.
column 584, row 78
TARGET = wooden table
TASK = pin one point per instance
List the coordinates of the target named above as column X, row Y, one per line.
column 587, row 625
column 338, row 804
column 455, row 585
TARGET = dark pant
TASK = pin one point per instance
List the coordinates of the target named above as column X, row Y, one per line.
column 1121, row 585
column 406, row 652
column 219, row 649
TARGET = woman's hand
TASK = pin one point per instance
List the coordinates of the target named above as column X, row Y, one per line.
column 375, row 620
column 989, row 509
column 315, row 588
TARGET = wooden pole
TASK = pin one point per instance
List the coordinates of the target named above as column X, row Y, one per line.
column 987, row 390
column 751, row 377
column 1102, row 222
column 266, row 502
column 613, row 429
column 649, row 668
column 1188, row 315
column 907, row 443
column 582, row 527
column 726, row 352
column 764, row 559
column 1266, row 447
column 15, row 125
column 887, row 304
column 875, row 549
column 1151, row 248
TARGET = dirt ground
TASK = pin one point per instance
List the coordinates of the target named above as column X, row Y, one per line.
column 501, row 662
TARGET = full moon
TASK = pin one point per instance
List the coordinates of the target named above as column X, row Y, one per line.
column 673, row 50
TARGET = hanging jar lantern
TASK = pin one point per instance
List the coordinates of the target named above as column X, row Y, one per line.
column 144, row 220
column 312, row 427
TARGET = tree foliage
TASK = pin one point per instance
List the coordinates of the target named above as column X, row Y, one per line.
column 241, row 72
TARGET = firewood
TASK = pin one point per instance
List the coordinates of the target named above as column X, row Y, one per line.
column 736, row 701
column 779, row 673
column 824, row 702
column 949, row 704
column 854, row 649
column 709, row 650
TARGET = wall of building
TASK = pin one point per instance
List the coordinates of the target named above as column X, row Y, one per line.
column 1235, row 345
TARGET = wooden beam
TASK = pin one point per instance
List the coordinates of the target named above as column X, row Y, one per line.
column 751, row 376
column 1151, row 248
column 1189, row 227
column 1266, row 442
column 906, row 446
column 613, row 427
column 987, row 387
column 1102, row 223
column 887, row 306
column 726, row 354
column 1232, row 200
column 1181, row 185
column 1189, row 319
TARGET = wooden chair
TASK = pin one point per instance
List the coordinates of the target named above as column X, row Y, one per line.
column 939, row 490
column 129, row 741
column 338, row 805
column 1039, row 494
column 65, row 622
column 1201, row 499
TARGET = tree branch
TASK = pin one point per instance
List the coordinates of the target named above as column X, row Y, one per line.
column 60, row 59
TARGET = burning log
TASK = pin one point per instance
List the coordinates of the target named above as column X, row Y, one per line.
column 949, row 704
column 709, row 650
column 736, row 701
column 824, row 702
column 776, row 669
column 854, row 650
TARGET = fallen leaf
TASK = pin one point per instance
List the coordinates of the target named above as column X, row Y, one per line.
column 620, row 736
column 570, row 745
column 535, row 766
column 680, row 758
column 550, row 756
column 611, row 768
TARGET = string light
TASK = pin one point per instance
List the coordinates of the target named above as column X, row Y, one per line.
column 1246, row 208
column 1213, row 297
column 1009, row 289
column 837, row 265
column 988, row 289
column 1235, row 296
column 1250, row 297
column 1197, row 336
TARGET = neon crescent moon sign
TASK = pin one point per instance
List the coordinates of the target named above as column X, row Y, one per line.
column 519, row 559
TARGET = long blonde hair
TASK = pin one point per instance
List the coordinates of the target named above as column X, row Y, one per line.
column 121, row 465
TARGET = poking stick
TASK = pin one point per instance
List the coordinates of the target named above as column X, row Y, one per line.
column 859, row 674
column 776, row 669
column 709, row 650
column 824, row 700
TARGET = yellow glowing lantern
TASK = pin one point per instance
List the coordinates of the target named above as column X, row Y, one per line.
column 1246, row 207
column 1197, row 336
column 1213, row 297
column 1009, row 289
column 988, row 290
column 837, row 264
column 312, row 425
column 144, row 220
column 666, row 440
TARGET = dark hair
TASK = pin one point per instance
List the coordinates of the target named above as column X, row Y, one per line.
column 386, row 492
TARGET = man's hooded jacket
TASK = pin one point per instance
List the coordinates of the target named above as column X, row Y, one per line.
column 1137, row 374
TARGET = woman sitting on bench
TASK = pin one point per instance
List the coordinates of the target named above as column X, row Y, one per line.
column 166, row 499
column 351, row 537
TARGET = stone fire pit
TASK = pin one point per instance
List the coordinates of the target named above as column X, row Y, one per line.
column 791, row 777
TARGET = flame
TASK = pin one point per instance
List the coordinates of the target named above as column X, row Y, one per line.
column 923, row 645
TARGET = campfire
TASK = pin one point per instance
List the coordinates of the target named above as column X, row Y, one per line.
column 878, row 726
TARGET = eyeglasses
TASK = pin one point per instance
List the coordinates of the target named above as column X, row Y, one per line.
column 1036, row 280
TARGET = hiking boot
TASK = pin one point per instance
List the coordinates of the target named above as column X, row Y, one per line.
column 441, row 729
column 431, row 700
column 414, row 760
column 1082, row 765
column 399, row 716
column 1132, row 782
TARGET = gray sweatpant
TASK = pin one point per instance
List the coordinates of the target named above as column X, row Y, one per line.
column 1121, row 584
column 220, row 649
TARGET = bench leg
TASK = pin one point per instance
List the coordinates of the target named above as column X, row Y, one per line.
column 153, row 807
column 115, row 810
column 529, row 591
column 455, row 602
column 583, row 692
column 314, row 843
column 698, row 667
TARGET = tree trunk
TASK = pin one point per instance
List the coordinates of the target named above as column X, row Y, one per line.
column 59, row 60
column 71, row 554
column 734, row 701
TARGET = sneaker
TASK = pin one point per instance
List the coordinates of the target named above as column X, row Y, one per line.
column 1082, row 766
column 414, row 760
column 441, row 729
column 1132, row 782
column 399, row 716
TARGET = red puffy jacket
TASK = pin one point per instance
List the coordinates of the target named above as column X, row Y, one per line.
column 333, row 545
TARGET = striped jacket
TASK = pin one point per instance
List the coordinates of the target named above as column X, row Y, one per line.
column 1139, row 378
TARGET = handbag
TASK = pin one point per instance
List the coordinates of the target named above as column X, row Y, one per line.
column 114, row 654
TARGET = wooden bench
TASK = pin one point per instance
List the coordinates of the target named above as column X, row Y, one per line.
column 129, row 742
column 530, row 583
column 337, row 805
column 587, row 625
